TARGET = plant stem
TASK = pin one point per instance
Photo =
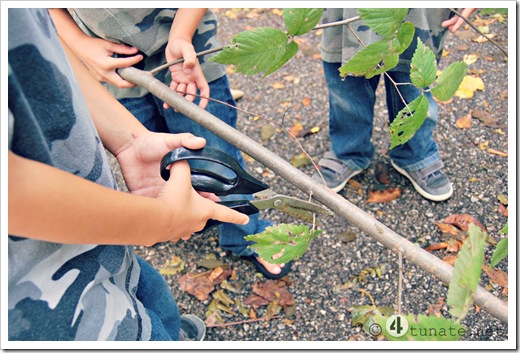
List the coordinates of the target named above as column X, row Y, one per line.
column 305, row 183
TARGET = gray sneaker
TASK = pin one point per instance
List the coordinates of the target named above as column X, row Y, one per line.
column 192, row 328
column 430, row 181
column 335, row 172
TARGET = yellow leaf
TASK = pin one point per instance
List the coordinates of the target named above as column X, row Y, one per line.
column 464, row 122
column 470, row 59
column 278, row 85
column 483, row 145
column 278, row 12
column 469, row 85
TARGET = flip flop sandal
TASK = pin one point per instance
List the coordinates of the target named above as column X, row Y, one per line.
column 260, row 268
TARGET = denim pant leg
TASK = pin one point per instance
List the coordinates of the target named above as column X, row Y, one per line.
column 155, row 294
column 421, row 150
column 148, row 111
column 231, row 236
column 351, row 106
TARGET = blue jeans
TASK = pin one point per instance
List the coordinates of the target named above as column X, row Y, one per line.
column 149, row 111
column 351, row 119
column 155, row 294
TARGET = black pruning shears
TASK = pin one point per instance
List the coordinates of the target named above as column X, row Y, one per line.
column 207, row 179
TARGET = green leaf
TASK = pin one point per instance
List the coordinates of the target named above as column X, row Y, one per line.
column 368, row 315
column 254, row 51
column 423, row 69
column 372, row 60
column 466, row 273
column 301, row 21
column 408, row 121
column 384, row 22
column 404, row 38
column 500, row 252
column 282, row 243
column 290, row 51
column 505, row 230
column 425, row 328
column 449, row 81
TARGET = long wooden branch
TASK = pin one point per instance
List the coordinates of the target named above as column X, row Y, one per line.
column 338, row 204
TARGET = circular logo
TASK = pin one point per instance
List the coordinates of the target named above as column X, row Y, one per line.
column 375, row 330
column 397, row 325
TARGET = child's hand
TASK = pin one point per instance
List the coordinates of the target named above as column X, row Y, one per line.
column 454, row 23
column 187, row 77
column 97, row 55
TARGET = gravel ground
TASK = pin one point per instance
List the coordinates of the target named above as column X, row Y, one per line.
column 321, row 306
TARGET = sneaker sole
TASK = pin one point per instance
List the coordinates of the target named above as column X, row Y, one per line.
column 423, row 193
column 340, row 187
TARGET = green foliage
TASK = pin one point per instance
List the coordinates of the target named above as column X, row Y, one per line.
column 423, row 70
column 408, row 121
column 425, row 328
column 290, row 51
column 368, row 315
column 254, row 51
column 449, row 81
column 301, row 21
column 502, row 11
column 282, row 243
column 384, row 22
column 501, row 249
column 466, row 273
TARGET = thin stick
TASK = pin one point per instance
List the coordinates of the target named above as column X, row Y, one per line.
column 400, row 283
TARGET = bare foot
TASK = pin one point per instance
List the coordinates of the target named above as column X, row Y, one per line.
column 272, row 268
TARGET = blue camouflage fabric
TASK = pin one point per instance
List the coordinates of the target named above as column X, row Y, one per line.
column 339, row 44
column 60, row 291
column 148, row 30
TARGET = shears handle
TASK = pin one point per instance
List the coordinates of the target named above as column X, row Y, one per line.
column 242, row 206
column 209, row 181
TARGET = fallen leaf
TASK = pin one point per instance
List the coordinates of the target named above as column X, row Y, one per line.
column 173, row 266
column 306, row 101
column 355, row 184
column 470, row 59
column 278, row 85
column 448, row 228
column 296, row 129
column 462, row 221
column 483, row 145
column 465, row 34
column 268, row 131
column 382, row 173
column 274, row 289
column 387, row 195
column 497, row 152
column 485, row 117
column 301, row 160
column 215, row 273
column 195, row 284
column 278, row 12
column 435, row 309
column 450, row 259
column 504, row 94
column 464, row 122
column 255, row 301
column 437, row 246
column 463, row 47
column 468, row 86
column 503, row 199
column 211, row 262
column 496, row 275
column 252, row 314
column 313, row 130
column 482, row 39
column 503, row 210
column 273, row 309
column 347, row 236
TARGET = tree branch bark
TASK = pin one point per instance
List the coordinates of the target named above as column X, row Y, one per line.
column 305, row 183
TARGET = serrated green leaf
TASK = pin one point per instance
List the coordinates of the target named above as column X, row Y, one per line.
column 466, row 273
column 500, row 252
column 408, row 121
column 284, row 242
column 425, row 328
column 404, row 38
column 449, row 81
column 254, row 51
column 290, row 51
column 423, row 69
column 372, row 60
column 384, row 22
column 301, row 21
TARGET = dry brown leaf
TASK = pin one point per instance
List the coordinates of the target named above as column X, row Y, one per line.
column 252, row 314
column 485, row 117
column 464, row 122
column 482, row 39
column 306, row 101
column 497, row 276
column 447, row 228
column 502, row 210
column 497, row 152
column 278, row 85
column 450, row 259
column 387, row 195
column 437, row 246
column 215, row 273
column 271, row 290
column 382, row 173
column 435, row 309
column 195, row 284
column 454, row 246
column 355, row 184
column 255, row 301
column 462, row 221
column 296, row 129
